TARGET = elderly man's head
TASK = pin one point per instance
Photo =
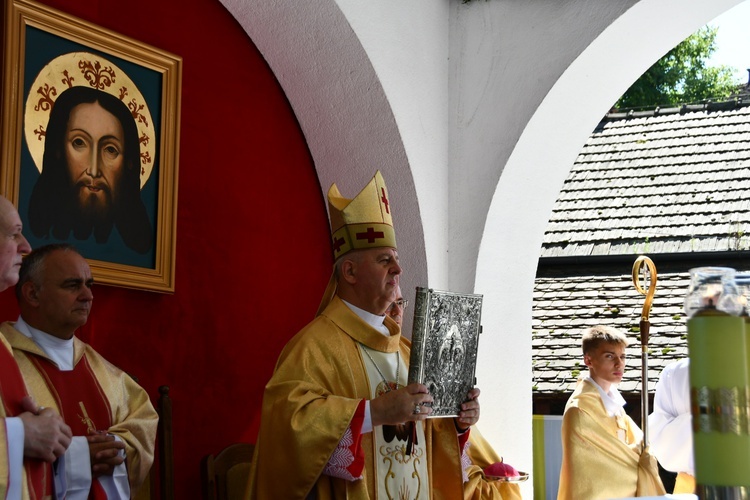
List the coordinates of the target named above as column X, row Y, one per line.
column 13, row 245
column 396, row 309
column 54, row 290
column 369, row 278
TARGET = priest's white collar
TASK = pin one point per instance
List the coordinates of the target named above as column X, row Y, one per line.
column 60, row 351
column 613, row 400
column 373, row 320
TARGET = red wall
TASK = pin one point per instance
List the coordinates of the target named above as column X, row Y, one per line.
column 253, row 252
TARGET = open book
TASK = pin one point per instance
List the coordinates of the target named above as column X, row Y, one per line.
column 444, row 345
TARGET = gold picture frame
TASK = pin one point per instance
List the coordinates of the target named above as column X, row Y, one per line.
column 123, row 221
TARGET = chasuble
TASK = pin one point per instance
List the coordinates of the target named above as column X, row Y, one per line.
column 99, row 396
column 602, row 455
column 36, row 475
column 310, row 404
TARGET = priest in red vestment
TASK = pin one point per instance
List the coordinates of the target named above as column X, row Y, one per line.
column 31, row 438
column 111, row 416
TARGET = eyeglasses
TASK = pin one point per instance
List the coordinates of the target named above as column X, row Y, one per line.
column 402, row 303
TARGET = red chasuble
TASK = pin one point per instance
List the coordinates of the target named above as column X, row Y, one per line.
column 82, row 402
column 13, row 390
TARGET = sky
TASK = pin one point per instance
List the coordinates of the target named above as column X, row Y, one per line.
column 733, row 40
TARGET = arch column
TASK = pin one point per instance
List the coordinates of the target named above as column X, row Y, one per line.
column 526, row 84
column 530, row 183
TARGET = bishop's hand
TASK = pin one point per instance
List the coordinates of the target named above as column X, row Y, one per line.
column 402, row 405
column 469, row 414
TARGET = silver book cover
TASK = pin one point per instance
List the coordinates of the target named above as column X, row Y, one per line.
column 444, row 344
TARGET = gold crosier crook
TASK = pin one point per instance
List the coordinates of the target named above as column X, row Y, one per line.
column 641, row 267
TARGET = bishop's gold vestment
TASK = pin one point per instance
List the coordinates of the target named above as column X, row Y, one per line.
column 319, row 380
column 602, row 456
column 132, row 414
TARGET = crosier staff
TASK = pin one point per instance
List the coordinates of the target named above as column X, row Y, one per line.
column 644, row 267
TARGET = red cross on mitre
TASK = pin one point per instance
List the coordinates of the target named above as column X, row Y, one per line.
column 384, row 199
column 370, row 235
column 337, row 244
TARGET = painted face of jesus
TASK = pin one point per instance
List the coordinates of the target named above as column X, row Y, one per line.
column 94, row 153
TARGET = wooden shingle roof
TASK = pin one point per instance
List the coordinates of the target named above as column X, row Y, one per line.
column 564, row 307
column 671, row 184
column 663, row 183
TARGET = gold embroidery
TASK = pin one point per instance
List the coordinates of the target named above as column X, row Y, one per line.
column 85, row 418
column 416, row 475
column 399, row 475
column 393, row 454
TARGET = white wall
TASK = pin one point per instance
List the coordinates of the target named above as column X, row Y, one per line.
column 407, row 45
column 344, row 113
column 474, row 113
column 534, row 172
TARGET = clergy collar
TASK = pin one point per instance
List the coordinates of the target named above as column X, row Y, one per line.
column 613, row 400
column 373, row 320
column 61, row 351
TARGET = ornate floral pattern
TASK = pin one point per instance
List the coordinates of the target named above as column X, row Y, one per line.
column 465, row 461
column 342, row 459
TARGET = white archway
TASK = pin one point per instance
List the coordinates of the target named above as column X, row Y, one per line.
column 478, row 172
column 531, row 181
column 341, row 106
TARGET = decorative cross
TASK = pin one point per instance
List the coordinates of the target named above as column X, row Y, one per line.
column 85, row 418
column 371, row 235
column 337, row 243
column 385, row 201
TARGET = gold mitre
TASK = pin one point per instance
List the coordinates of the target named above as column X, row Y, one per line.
column 363, row 222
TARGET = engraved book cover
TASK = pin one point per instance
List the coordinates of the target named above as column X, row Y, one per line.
column 444, row 344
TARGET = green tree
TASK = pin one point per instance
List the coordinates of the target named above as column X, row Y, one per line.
column 681, row 76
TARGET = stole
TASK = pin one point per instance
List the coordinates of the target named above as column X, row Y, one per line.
column 12, row 391
column 81, row 400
